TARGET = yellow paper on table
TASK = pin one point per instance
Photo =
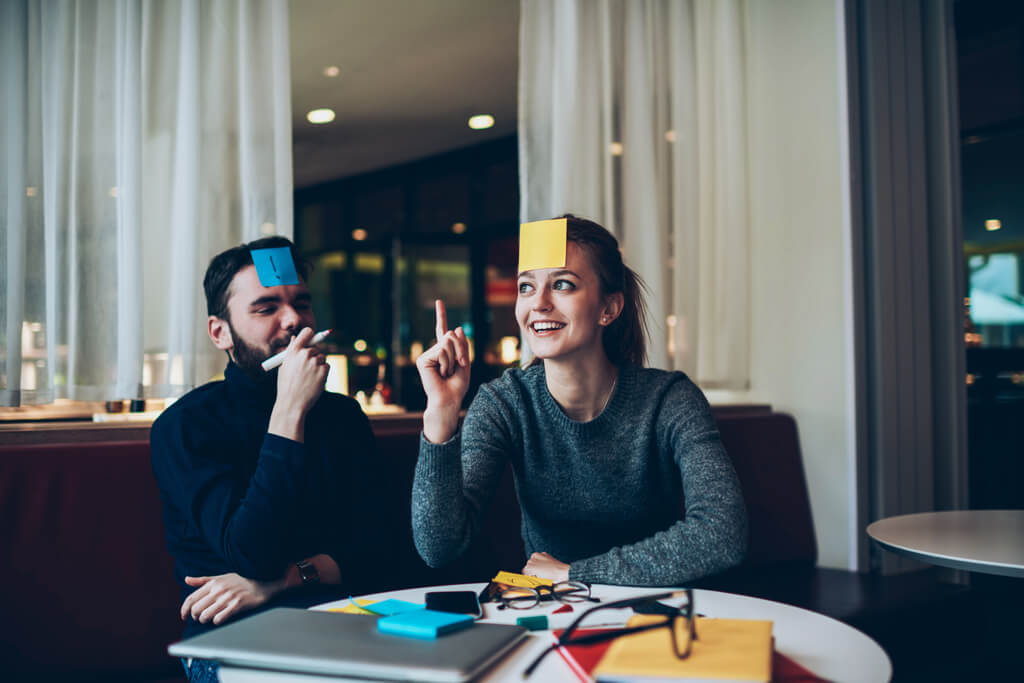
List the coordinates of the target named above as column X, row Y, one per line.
column 542, row 244
column 725, row 649
column 354, row 607
column 521, row 580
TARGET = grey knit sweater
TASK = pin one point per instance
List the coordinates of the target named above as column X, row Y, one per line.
column 603, row 496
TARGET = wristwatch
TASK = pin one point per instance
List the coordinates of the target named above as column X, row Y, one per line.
column 308, row 573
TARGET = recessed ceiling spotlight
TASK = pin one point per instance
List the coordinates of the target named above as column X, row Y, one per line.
column 320, row 116
column 993, row 224
column 359, row 234
column 331, row 71
column 481, row 121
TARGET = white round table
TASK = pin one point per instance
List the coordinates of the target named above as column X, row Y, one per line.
column 828, row 648
column 989, row 541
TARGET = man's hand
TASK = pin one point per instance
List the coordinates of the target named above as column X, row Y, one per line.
column 218, row 598
column 545, row 566
column 300, row 382
column 444, row 372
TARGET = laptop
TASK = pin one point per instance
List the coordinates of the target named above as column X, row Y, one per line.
column 338, row 644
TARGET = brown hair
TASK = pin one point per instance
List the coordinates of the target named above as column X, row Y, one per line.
column 625, row 340
column 225, row 265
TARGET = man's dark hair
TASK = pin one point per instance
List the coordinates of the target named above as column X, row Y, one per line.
column 225, row 266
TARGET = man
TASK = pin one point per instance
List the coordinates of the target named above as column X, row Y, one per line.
column 268, row 484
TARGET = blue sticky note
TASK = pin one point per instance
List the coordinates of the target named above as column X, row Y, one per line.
column 275, row 266
column 425, row 624
column 386, row 608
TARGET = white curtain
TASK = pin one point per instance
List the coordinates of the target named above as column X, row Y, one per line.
column 632, row 113
column 138, row 138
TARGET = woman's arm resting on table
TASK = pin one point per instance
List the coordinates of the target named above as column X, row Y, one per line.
column 545, row 566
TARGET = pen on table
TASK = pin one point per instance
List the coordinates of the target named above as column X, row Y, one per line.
column 278, row 358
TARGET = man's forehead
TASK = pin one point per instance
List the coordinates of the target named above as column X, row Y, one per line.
column 246, row 289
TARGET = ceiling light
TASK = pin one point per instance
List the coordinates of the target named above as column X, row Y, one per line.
column 993, row 224
column 359, row 345
column 481, row 121
column 331, row 71
column 320, row 116
column 359, row 234
column 458, row 228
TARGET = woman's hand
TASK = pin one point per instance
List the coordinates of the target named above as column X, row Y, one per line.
column 218, row 598
column 444, row 372
column 545, row 566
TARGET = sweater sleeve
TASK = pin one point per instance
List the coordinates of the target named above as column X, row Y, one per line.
column 247, row 523
column 455, row 481
column 712, row 536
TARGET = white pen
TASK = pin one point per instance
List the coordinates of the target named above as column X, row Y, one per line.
column 278, row 358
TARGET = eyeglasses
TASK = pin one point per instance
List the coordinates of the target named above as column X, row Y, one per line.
column 527, row 598
column 679, row 621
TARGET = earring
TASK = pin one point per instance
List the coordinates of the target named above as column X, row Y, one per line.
column 604, row 318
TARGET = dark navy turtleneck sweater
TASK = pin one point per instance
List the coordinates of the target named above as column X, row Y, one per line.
column 237, row 499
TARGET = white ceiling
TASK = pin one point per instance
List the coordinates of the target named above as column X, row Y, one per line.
column 412, row 73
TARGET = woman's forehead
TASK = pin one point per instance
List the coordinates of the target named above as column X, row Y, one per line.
column 577, row 262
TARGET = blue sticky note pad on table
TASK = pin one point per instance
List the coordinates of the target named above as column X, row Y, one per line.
column 425, row 624
column 275, row 266
column 387, row 608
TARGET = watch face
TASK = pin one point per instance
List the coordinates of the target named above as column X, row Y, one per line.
column 308, row 572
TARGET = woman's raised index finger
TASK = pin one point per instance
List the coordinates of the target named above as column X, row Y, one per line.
column 442, row 318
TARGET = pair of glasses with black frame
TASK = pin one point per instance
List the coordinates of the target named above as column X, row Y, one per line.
column 679, row 620
column 527, row 598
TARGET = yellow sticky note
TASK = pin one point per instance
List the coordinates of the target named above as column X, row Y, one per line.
column 353, row 607
column 542, row 244
column 521, row 580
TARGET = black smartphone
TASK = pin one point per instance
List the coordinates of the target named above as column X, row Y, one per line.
column 457, row 602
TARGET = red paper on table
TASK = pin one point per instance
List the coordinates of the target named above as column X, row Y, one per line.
column 583, row 659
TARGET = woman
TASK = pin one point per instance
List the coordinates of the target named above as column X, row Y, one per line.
column 602, row 449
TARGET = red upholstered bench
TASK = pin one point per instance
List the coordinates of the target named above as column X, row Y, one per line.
column 86, row 582
column 88, row 590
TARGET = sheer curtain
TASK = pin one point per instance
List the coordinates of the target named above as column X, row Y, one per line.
column 138, row 138
column 632, row 112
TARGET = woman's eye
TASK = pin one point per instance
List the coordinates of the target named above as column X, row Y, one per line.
column 564, row 284
column 525, row 288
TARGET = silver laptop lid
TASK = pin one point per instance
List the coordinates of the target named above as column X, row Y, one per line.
column 299, row 640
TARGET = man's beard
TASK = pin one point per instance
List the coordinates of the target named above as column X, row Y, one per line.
column 250, row 358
